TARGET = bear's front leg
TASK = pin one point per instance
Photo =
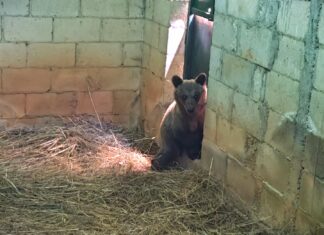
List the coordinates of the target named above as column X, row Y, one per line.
column 163, row 159
column 194, row 152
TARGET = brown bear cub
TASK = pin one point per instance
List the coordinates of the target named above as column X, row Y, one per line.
column 181, row 129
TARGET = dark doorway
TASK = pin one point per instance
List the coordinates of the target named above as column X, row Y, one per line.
column 198, row 37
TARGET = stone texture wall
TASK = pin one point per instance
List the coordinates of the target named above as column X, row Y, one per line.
column 264, row 131
column 56, row 54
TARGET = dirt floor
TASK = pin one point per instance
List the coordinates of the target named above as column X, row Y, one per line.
column 82, row 177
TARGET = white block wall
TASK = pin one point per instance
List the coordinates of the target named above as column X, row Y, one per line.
column 55, row 50
column 264, row 135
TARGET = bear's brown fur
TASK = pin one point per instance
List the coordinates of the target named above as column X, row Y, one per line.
column 181, row 129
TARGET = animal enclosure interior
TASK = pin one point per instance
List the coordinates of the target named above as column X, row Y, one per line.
column 84, row 85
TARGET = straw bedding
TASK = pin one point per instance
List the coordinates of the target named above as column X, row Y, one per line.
column 82, row 178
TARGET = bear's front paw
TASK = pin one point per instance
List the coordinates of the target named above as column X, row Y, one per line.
column 155, row 165
column 194, row 155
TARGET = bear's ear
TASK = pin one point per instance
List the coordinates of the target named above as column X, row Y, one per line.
column 201, row 79
column 176, row 80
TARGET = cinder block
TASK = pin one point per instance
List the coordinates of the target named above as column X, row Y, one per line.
column 282, row 93
column 74, row 79
column 243, row 9
column 319, row 81
column 99, row 54
column 230, row 138
column 123, row 30
column 258, row 45
column 12, row 106
column 60, row 8
column 80, row 79
column 224, row 33
column 118, row 78
column 237, row 73
column 45, row 104
column 281, row 132
column 12, row 55
column 157, row 62
column 168, row 87
column 166, row 34
column 152, row 120
column 273, row 206
column 319, row 171
column 151, row 33
column 133, row 54
column 210, row 129
column 316, row 111
column 243, row 108
column 306, row 191
column 293, row 18
column 135, row 115
column 241, row 181
column 26, row 80
column 221, row 6
column 267, row 13
column 321, row 27
column 216, row 60
column 151, row 98
column 259, row 84
column 124, row 101
column 162, row 12
column 76, row 29
column 314, row 154
column 152, row 93
column 29, row 29
column 273, row 167
column 290, row 58
column 100, row 102
column 318, row 202
column 146, row 56
column 14, row 7
column 220, row 98
column 136, row 8
column 213, row 160
column 51, row 55
column 149, row 9
column 105, row 8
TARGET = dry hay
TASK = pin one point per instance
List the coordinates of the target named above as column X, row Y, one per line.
column 76, row 178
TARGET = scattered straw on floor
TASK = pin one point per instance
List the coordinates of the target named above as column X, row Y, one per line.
column 76, row 178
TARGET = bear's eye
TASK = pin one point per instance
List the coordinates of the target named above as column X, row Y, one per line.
column 196, row 97
column 184, row 97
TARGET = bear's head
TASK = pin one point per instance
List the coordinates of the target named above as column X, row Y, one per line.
column 190, row 95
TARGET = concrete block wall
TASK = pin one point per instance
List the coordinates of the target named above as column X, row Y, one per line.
column 264, row 132
column 58, row 57
column 163, row 56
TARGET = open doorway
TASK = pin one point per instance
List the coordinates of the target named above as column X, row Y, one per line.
column 198, row 37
